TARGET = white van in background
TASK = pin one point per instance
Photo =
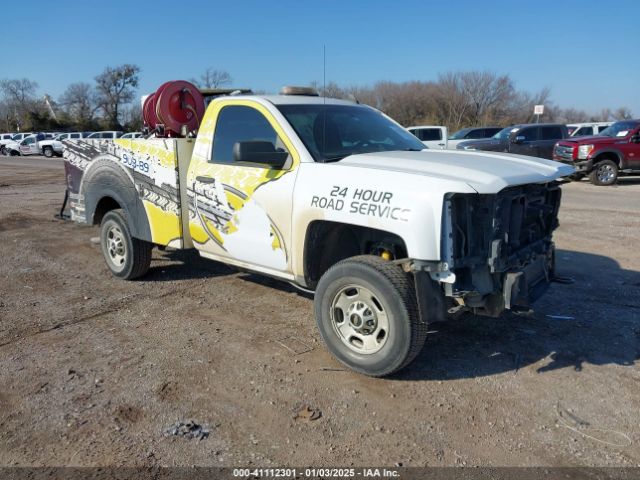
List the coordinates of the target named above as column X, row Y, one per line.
column 586, row 129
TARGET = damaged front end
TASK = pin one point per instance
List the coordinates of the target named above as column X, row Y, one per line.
column 499, row 247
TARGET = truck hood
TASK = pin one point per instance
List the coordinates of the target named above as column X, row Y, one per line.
column 484, row 172
column 482, row 144
column 594, row 139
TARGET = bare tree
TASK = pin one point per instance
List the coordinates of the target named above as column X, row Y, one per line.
column 213, row 78
column 20, row 100
column 115, row 87
column 487, row 94
column 452, row 103
column 572, row 115
column 78, row 103
column 132, row 117
column 622, row 113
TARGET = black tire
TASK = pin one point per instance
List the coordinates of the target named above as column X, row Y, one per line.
column 47, row 152
column 14, row 153
column 3, row 150
column 394, row 291
column 576, row 177
column 127, row 257
column 604, row 173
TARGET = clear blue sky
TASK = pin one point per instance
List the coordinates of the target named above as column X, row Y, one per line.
column 586, row 51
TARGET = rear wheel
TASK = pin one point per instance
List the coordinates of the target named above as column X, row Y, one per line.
column 126, row 257
column 367, row 315
column 48, row 152
column 604, row 173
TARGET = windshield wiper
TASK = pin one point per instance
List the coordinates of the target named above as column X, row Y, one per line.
column 335, row 158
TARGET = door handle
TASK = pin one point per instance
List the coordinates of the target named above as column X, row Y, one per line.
column 205, row 179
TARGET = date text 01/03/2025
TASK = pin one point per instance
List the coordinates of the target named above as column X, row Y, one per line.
column 315, row 473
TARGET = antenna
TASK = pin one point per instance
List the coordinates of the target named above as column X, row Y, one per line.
column 324, row 99
column 324, row 72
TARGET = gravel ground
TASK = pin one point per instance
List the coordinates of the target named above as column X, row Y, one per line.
column 97, row 371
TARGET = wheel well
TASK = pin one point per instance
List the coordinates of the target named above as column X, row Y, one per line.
column 106, row 204
column 326, row 243
column 608, row 156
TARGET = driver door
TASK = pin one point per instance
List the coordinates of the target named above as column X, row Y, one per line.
column 240, row 184
column 631, row 149
column 524, row 142
column 28, row 146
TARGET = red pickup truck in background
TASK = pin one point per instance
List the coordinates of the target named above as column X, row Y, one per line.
column 614, row 151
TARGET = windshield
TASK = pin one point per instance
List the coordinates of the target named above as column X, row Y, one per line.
column 459, row 134
column 618, row 129
column 503, row 134
column 332, row 132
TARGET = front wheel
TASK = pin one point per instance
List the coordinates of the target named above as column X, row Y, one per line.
column 604, row 173
column 367, row 315
column 3, row 150
column 126, row 257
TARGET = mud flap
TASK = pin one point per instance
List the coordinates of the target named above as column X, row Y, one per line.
column 61, row 215
column 430, row 298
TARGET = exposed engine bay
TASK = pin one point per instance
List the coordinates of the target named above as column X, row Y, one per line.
column 499, row 247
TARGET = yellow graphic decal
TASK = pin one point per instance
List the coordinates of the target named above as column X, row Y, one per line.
column 164, row 226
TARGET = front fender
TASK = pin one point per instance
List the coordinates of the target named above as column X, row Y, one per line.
column 409, row 206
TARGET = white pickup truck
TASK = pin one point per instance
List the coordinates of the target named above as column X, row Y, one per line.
column 54, row 146
column 337, row 199
column 433, row 136
column 15, row 138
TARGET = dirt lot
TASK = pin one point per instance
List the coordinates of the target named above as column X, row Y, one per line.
column 94, row 369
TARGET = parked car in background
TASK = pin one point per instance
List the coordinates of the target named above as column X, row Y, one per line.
column 132, row 135
column 17, row 137
column 6, row 136
column 533, row 139
column 432, row 136
column 49, row 148
column 30, row 145
column 471, row 133
column 111, row 134
column 585, row 129
column 614, row 151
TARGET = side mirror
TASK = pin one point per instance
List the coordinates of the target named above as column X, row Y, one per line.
column 259, row 152
column 635, row 138
column 518, row 139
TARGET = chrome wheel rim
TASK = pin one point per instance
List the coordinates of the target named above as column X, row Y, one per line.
column 116, row 247
column 606, row 173
column 359, row 319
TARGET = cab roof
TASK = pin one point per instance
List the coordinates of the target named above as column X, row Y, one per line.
column 291, row 99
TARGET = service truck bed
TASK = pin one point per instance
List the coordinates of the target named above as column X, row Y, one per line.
column 148, row 185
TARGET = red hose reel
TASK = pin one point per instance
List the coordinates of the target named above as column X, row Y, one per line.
column 175, row 106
